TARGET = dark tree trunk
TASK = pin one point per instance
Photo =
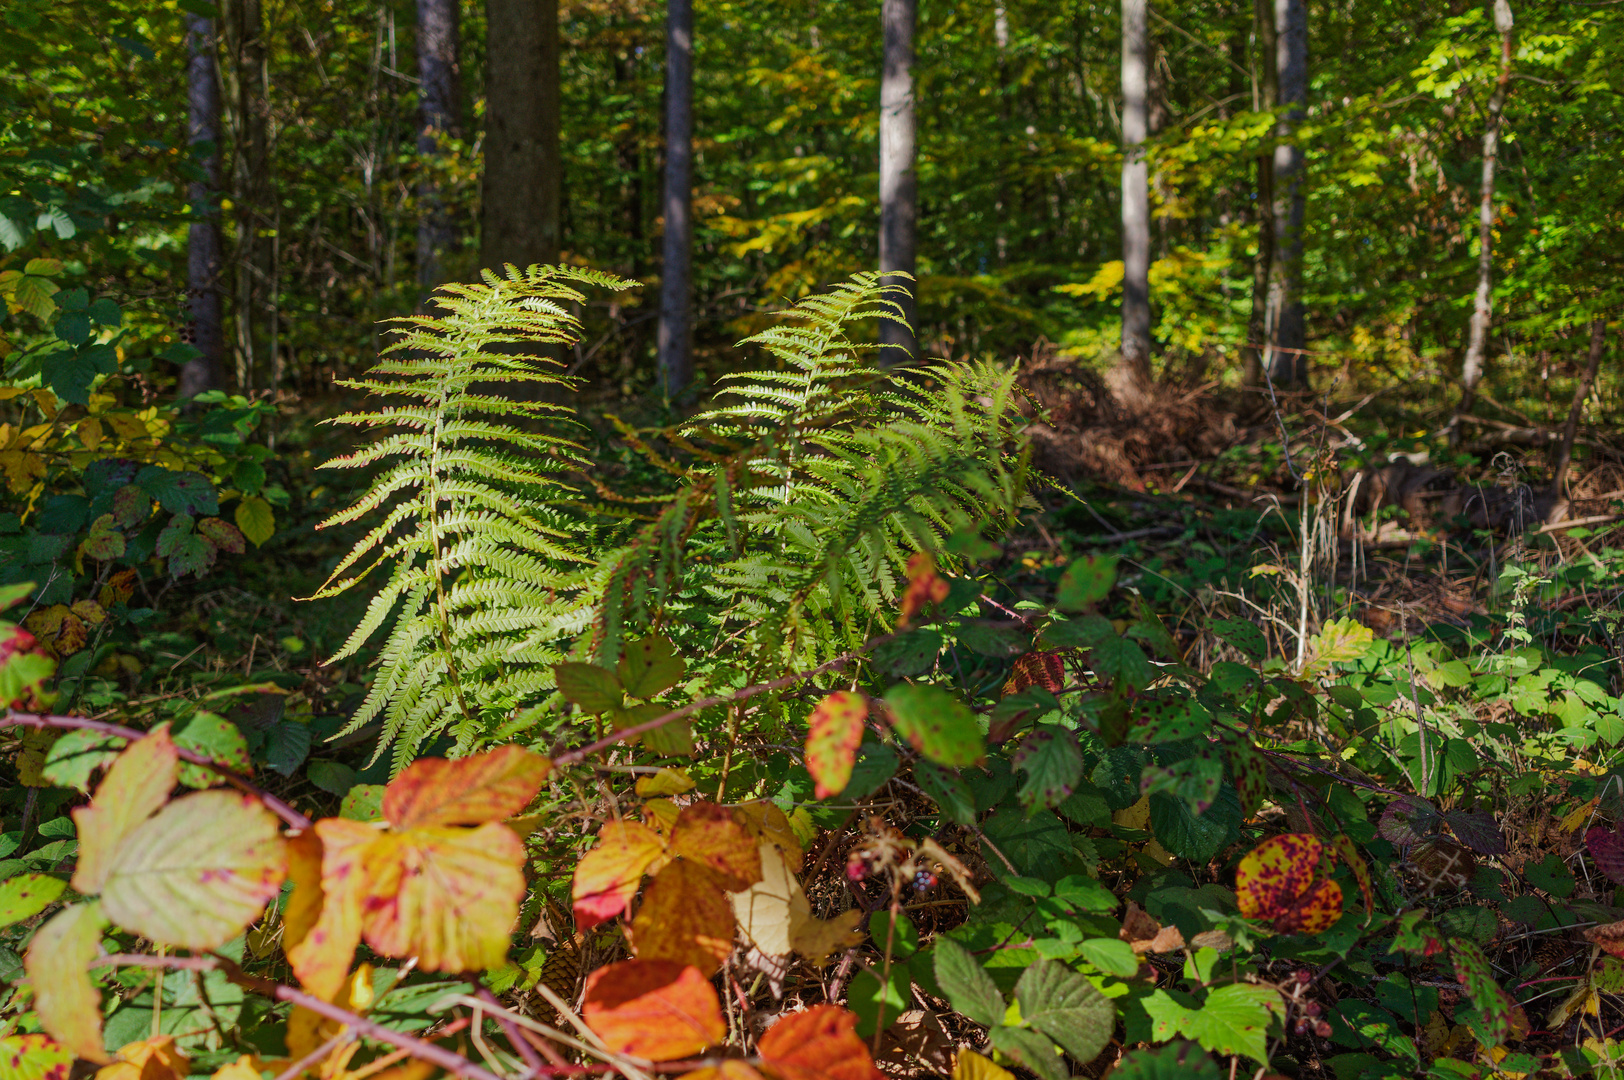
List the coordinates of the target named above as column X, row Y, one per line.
column 1289, row 362
column 1570, row 432
column 243, row 25
column 899, row 207
column 523, row 182
column 675, row 333
column 1478, row 342
column 1135, row 194
column 439, row 110
column 205, row 371
column 1258, row 353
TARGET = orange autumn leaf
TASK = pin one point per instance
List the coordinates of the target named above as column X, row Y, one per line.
column 732, row 1069
column 608, row 876
column 685, row 918
column 136, row 786
column 925, row 587
column 1044, row 669
column 1277, row 881
column 818, row 1044
column 465, row 791
column 304, row 902
column 321, row 956
column 653, row 1009
column 447, row 896
column 834, row 732
column 712, row 836
column 157, row 1058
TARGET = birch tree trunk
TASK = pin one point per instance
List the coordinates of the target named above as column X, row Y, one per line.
column 675, row 333
column 204, row 332
column 439, row 108
column 898, row 183
column 1135, row 194
column 523, row 181
column 1478, row 342
column 1258, row 353
column 1288, row 363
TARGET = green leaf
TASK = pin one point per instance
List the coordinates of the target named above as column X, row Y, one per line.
column 594, row 689
column 1175, row 1061
column 969, row 989
column 904, row 937
column 77, row 754
column 1028, row 1048
column 1167, row 719
column 188, row 493
column 1086, row 581
column 26, row 895
column 1037, row 844
column 1124, row 663
column 877, row 1004
column 363, row 802
column 1080, row 633
column 1085, row 893
column 187, row 551
column 1235, row 1020
column 876, row 763
column 1195, row 779
column 197, row 872
column 333, row 777
column 949, row 791
column 256, row 519
column 216, row 738
column 649, row 667
column 936, row 724
column 1053, row 765
column 1243, row 635
column 22, row 672
column 908, row 655
column 1191, row 836
column 991, row 637
column 33, row 1057
column 1111, row 955
column 1067, row 1008
column 103, row 542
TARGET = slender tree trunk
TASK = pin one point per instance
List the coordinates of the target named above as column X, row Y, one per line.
column 675, row 333
column 439, row 109
column 206, row 370
column 1135, row 193
column 1258, row 353
column 629, row 151
column 523, row 181
column 1478, row 342
column 899, row 207
column 243, row 25
column 1288, row 337
column 1570, row 432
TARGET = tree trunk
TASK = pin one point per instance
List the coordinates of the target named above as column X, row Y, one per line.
column 1135, row 194
column 675, row 334
column 898, row 183
column 523, row 181
column 206, row 370
column 1288, row 337
column 1564, row 454
column 439, row 110
column 1478, row 343
column 1258, row 354
column 243, row 25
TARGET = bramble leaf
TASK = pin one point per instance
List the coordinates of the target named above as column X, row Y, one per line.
column 33, row 1057
column 834, row 732
column 66, row 1001
column 936, row 724
column 711, row 836
column 819, row 1043
column 650, row 666
column 1067, row 1008
column 653, row 1009
column 608, row 876
column 684, row 918
column 137, row 784
column 595, row 689
column 969, row 989
column 323, row 928
column 1276, row 881
column 26, row 895
column 1087, row 581
column 1053, row 765
column 256, row 519
column 465, row 791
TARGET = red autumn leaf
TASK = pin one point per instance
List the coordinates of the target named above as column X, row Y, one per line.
column 1043, row 669
column 834, row 732
column 1276, row 881
column 608, row 876
column 465, row 791
column 925, row 587
column 818, row 1044
column 653, row 1009
column 1610, row 936
column 711, row 835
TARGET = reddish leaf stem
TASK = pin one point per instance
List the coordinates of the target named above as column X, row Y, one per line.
column 275, row 805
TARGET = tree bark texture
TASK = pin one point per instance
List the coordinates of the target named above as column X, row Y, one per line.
column 439, row 111
column 243, row 26
column 1258, row 353
column 204, row 330
column 1287, row 332
column 523, row 181
column 1477, row 345
column 675, row 338
column 1570, row 432
column 899, row 207
column 1135, row 193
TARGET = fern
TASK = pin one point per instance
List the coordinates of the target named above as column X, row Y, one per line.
column 776, row 537
column 481, row 565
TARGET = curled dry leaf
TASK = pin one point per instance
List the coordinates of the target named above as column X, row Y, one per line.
column 653, row 1009
column 777, row 918
column 1144, row 934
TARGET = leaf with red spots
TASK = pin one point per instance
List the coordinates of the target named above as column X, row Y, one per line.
column 1053, row 765
column 1045, row 669
column 1277, row 881
column 834, row 732
column 653, row 1009
column 322, row 924
column 1407, row 819
column 711, row 836
column 925, row 587
column 820, row 1043
column 1606, row 847
column 1249, row 771
column 485, row 787
column 1503, row 1019
column 65, row 1000
column 136, row 785
column 26, row 895
column 1343, row 847
column 33, row 1057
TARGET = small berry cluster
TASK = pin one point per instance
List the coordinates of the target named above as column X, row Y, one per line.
column 1309, row 1014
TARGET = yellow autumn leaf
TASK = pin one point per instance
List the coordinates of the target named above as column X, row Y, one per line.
column 972, row 1066
column 685, row 918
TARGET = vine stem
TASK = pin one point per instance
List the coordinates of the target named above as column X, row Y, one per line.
column 69, row 723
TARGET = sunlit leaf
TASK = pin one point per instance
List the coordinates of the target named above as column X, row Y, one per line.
column 685, row 917
column 653, row 1009
column 936, row 724
column 1276, row 881
column 465, row 791
column 711, row 835
column 33, row 1057
column 649, row 667
column 26, row 895
column 137, row 784
column 819, row 1043
column 834, row 732
column 66, row 1001
column 323, row 930
column 608, row 876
